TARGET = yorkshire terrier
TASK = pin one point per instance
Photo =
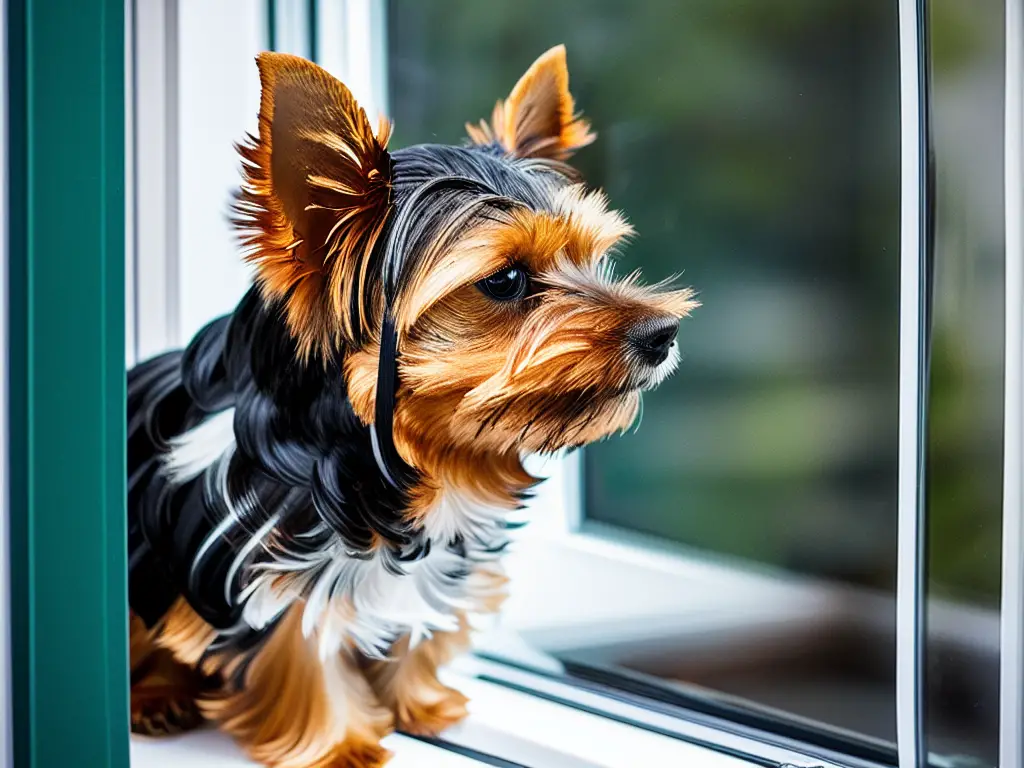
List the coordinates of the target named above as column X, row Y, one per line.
column 319, row 484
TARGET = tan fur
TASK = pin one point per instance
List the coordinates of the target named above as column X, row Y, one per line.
column 184, row 633
column 481, row 380
column 580, row 233
column 283, row 715
column 164, row 692
column 409, row 687
column 538, row 119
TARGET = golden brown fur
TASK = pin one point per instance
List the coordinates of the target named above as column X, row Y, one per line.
column 285, row 715
column 409, row 687
column 315, row 198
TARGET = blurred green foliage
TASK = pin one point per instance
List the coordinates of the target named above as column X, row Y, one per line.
column 755, row 147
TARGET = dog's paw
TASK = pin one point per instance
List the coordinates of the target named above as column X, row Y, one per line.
column 355, row 754
column 162, row 710
column 432, row 717
column 164, row 696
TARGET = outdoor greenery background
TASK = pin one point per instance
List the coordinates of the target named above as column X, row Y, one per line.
column 755, row 147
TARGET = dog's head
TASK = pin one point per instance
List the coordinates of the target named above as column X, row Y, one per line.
column 483, row 272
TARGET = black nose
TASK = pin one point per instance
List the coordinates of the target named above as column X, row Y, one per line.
column 652, row 339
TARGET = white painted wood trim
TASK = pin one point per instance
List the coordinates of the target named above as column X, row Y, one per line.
column 909, row 590
column 152, row 155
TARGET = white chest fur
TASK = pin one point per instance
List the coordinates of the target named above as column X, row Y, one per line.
column 357, row 599
column 363, row 601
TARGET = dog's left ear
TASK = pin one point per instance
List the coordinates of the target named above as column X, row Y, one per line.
column 314, row 200
column 538, row 119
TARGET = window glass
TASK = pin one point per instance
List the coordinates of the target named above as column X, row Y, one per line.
column 755, row 147
column 965, row 425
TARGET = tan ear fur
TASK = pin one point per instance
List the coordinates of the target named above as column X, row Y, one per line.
column 314, row 199
column 538, row 119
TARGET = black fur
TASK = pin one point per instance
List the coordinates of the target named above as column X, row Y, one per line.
column 294, row 429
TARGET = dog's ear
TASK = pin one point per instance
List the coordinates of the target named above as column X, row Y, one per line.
column 314, row 199
column 538, row 119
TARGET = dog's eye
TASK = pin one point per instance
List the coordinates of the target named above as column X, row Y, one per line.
column 507, row 285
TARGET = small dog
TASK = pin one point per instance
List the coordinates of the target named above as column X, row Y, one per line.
column 319, row 483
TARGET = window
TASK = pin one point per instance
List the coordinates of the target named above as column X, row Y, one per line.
column 810, row 552
column 771, row 181
column 764, row 474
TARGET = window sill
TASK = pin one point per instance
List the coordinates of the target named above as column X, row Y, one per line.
column 506, row 727
column 210, row 749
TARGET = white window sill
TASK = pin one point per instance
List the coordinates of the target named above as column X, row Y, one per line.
column 572, row 591
column 210, row 749
column 514, row 727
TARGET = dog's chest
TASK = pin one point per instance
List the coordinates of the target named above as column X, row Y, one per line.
column 372, row 602
column 369, row 600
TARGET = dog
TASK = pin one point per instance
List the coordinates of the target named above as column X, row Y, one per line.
column 319, row 485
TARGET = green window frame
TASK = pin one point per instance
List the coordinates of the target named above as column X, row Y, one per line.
column 66, row 187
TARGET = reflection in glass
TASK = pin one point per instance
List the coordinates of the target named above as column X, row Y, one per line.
column 965, row 427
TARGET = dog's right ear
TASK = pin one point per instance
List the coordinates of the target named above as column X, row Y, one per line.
column 314, row 200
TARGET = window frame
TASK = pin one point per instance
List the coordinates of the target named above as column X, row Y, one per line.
column 916, row 251
column 557, row 511
column 6, row 754
column 65, row 369
column 151, row 217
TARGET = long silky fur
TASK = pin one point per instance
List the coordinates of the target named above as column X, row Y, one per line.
column 299, row 456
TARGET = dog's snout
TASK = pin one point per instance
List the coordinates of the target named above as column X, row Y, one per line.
column 653, row 338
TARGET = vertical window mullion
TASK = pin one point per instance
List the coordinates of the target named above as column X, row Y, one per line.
column 290, row 27
column 1011, row 651
column 915, row 247
column 152, row 209
column 351, row 41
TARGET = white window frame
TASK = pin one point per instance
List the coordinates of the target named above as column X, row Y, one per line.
column 910, row 583
column 557, row 613
column 151, row 211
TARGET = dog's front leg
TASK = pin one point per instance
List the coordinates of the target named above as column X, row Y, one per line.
column 293, row 709
column 407, row 684
column 164, row 691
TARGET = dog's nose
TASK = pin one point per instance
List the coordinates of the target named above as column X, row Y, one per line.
column 653, row 338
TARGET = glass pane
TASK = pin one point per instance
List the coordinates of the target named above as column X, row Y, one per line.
column 965, row 428
column 755, row 147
